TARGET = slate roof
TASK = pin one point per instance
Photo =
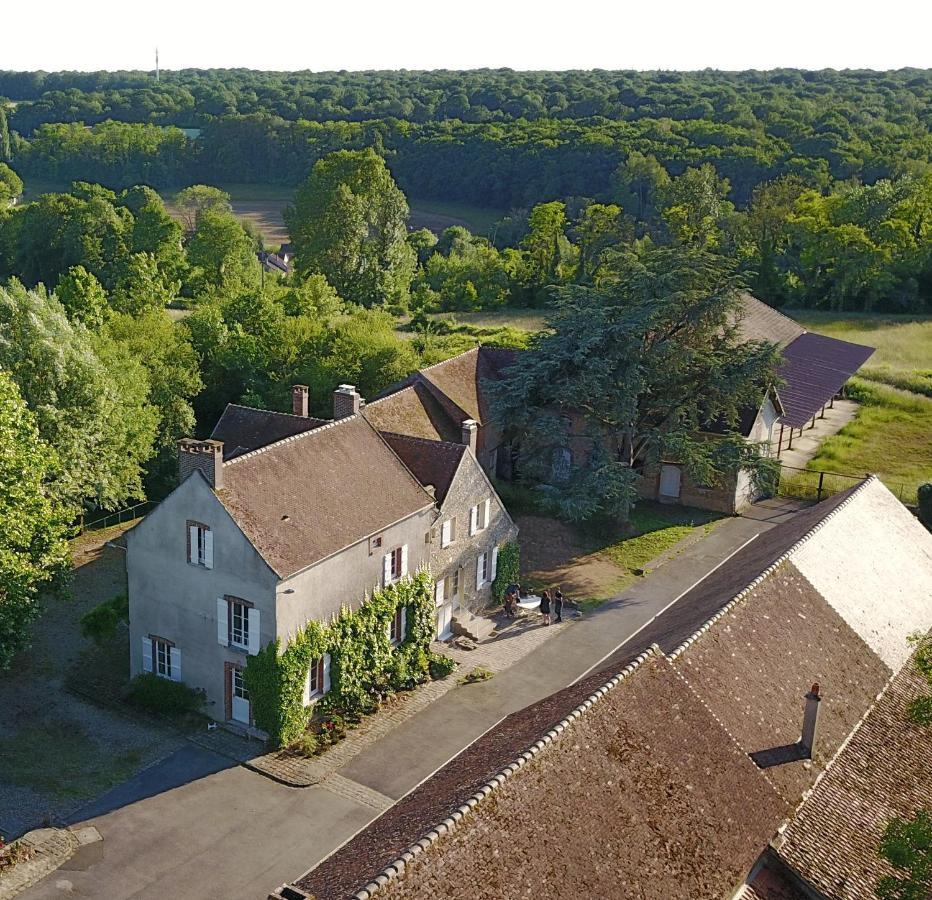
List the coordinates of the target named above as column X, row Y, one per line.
column 311, row 495
column 882, row 772
column 242, row 428
column 633, row 798
column 815, row 368
column 431, row 462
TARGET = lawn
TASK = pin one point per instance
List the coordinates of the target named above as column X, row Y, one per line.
column 891, row 436
column 440, row 214
column 509, row 317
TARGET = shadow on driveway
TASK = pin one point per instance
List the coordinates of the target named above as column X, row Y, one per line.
column 185, row 765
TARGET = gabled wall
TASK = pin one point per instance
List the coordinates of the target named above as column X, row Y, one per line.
column 176, row 600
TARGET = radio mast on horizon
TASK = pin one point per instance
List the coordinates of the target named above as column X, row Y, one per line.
column 156, row 63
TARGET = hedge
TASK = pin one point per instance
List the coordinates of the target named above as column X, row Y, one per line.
column 364, row 666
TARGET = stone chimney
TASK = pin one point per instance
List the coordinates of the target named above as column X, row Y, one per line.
column 469, row 433
column 299, row 400
column 207, row 456
column 811, row 720
column 346, row 401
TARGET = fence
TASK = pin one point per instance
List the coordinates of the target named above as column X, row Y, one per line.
column 118, row 517
column 809, row 484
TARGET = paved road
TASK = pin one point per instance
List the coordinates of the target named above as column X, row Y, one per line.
column 192, row 828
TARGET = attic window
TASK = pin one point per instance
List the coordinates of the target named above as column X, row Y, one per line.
column 375, row 543
column 286, row 518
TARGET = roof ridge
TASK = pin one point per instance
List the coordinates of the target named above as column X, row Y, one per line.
column 745, row 592
column 443, row 362
column 421, row 440
column 780, row 314
column 401, row 390
column 453, row 821
column 295, row 437
column 276, row 412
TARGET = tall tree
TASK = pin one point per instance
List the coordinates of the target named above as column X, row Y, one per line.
column 544, row 241
column 33, row 524
column 88, row 394
column 644, row 364
column 907, row 846
column 349, row 223
column 695, row 207
column 82, row 297
column 11, row 185
column 221, row 254
column 6, row 150
column 198, row 199
column 641, row 182
column 598, row 228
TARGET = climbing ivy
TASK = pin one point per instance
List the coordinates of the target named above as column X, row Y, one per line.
column 364, row 665
column 509, row 569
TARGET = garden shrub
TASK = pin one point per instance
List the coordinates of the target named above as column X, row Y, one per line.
column 101, row 623
column 509, row 569
column 364, row 666
column 480, row 673
column 441, row 665
column 159, row 695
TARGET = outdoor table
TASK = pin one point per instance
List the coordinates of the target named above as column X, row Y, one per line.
column 532, row 601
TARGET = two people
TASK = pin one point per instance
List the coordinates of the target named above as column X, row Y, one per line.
column 555, row 602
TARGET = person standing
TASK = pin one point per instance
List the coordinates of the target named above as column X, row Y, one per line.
column 545, row 606
column 558, row 605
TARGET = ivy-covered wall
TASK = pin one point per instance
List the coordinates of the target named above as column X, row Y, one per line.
column 509, row 569
column 363, row 663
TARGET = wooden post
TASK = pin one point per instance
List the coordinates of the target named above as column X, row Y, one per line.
column 811, row 425
column 831, row 403
column 821, row 480
column 822, row 414
column 780, row 441
column 789, row 443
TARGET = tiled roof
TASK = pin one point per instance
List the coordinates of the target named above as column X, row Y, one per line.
column 815, row 368
column 242, row 428
column 432, row 462
column 755, row 665
column 460, row 378
column 760, row 322
column 882, row 772
column 631, row 796
column 308, row 496
column 415, row 411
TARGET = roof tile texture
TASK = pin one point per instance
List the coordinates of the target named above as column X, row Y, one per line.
column 755, row 666
column 432, row 462
column 635, row 800
column 242, row 428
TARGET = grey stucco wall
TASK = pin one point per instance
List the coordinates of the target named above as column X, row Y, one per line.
column 171, row 598
column 469, row 487
column 347, row 577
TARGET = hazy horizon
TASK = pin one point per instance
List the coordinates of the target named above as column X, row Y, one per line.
column 105, row 35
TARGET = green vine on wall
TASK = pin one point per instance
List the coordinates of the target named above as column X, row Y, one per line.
column 508, row 570
column 364, row 665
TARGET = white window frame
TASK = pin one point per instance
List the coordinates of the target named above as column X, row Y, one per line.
column 447, row 533
column 319, row 672
column 200, row 545
column 398, row 627
column 479, row 517
column 162, row 658
column 482, row 570
column 235, row 607
column 393, row 570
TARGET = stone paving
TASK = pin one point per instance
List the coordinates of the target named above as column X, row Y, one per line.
column 512, row 641
column 53, row 846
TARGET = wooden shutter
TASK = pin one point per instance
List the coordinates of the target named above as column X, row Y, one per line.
column 473, row 520
column 479, row 570
column 208, row 548
column 387, row 569
column 253, row 617
column 192, row 543
column 438, row 593
column 223, row 623
column 307, row 684
column 404, row 560
column 326, row 685
column 485, row 513
column 147, row 652
column 494, row 571
column 403, row 631
column 445, row 533
column 175, row 656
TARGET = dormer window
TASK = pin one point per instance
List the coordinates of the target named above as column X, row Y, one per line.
column 200, row 540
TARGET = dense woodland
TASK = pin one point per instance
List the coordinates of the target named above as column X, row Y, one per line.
column 641, row 201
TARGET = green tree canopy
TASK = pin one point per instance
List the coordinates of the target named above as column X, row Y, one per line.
column 90, row 398
column 198, row 199
column 11, row 185
column 907, row 846
column 82, row 297
column 33, row 524
column 221, row 254
column 349, row 223
column 645, row 363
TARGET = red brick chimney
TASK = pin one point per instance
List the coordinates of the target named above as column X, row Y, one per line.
column 470, row 432
column 811, row 720
column 205, row 456
column 346, row 401
column 299, row 395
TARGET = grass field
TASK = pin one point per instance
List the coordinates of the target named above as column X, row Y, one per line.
column 891, row 436
column 513, row 317
column 478, row 219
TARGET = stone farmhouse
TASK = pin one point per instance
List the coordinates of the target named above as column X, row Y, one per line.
column 435, row 402
column 756, row 749
column 283, row 519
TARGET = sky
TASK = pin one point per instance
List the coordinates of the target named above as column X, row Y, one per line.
column 518, row 34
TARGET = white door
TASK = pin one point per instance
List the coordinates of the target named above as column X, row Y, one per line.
column 444, row 621
column 670, row 478
column 240, row 697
